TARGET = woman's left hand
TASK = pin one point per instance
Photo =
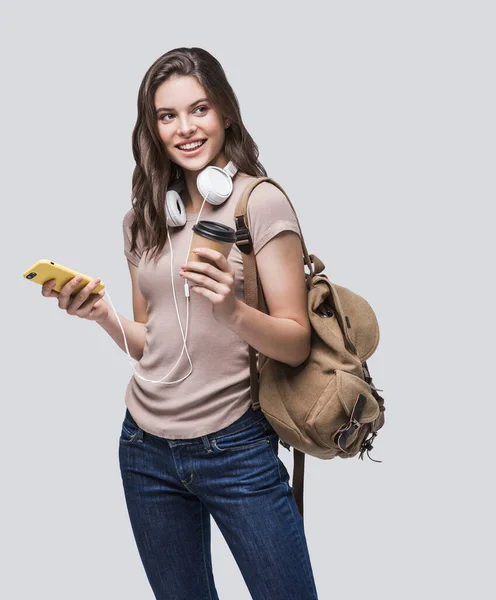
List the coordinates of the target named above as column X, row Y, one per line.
column 217, row 282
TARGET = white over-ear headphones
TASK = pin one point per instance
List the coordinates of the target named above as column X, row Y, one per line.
column 215, row 185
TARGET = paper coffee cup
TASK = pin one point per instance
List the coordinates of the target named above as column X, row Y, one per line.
column 210, row 234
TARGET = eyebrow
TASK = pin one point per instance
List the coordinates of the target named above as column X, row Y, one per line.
column 190, row 106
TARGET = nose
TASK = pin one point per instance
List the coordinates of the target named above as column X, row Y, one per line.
column 185, row 127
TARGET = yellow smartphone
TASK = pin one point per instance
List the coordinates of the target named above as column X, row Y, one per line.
column 44, row 270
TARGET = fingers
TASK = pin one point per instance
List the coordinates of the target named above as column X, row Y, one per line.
column 214, row 255
column 86, row 308
column 223, row 289
column 222, row 276
column 220, row 284
column 47, row 289
column 72, row 304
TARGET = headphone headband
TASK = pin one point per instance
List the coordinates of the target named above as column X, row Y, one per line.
column 231, row 169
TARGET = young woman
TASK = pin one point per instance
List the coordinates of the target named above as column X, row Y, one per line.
column 196, row 448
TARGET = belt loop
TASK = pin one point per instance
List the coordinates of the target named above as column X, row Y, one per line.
column 206, row 443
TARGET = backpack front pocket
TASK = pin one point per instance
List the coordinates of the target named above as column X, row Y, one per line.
column 344, row 406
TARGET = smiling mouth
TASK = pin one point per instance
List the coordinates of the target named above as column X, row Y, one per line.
column 197, row 147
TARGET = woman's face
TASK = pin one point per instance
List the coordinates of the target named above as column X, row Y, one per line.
column 183, row 116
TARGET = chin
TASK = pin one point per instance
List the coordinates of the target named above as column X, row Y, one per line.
column 200, row 165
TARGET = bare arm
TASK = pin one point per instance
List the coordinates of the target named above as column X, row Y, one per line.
column 135, row 333
column 284, row 334
column 135, row 330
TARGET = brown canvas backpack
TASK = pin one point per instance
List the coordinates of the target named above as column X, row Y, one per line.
column 328, row 405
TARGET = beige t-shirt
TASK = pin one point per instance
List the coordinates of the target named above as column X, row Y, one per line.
column 217, row 392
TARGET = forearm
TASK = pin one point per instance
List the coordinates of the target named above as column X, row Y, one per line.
column 135, row 333
column 282, row 339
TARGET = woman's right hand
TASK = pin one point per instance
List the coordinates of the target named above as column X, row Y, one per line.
column 84, row 305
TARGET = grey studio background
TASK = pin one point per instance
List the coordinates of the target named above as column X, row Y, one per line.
column 378, row 120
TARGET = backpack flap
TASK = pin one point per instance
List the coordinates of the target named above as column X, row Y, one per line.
column 358, row 321
column 328, row 322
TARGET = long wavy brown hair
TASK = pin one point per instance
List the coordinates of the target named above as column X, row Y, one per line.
column 154, row 171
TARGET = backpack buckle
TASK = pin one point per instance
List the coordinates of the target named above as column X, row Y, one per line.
column 356, row 424
column 344, row 432
column 243, row 237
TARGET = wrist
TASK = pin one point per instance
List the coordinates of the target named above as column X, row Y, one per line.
column 103, row 321
column 237, row 313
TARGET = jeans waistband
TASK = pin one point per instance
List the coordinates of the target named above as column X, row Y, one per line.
column 250, row 417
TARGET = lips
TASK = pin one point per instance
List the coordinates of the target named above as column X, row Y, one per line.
column 191, row 142
column 193, row 152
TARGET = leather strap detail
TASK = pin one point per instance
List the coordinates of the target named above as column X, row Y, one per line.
column 298, row 478
column 348, row 429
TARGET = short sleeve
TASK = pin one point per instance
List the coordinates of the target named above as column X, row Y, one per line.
column 127, row 221
column 269, row 213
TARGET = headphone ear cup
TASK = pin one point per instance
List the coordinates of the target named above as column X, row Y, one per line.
column 174, row 209
column 214, row 184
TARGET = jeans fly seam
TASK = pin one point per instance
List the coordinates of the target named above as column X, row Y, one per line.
column 177, row 471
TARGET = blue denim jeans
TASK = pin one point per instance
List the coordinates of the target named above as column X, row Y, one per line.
column 235, row 475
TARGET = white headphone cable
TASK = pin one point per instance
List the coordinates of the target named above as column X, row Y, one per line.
column 183, row 335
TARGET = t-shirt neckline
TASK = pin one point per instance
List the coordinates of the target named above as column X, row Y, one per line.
column 192, row 216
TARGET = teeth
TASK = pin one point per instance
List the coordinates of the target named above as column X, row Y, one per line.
column 191, row 146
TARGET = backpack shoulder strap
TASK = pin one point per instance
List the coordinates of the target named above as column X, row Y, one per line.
column 241, row 213
column 252, row 286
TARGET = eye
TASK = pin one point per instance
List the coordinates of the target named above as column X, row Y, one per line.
column 163, row 115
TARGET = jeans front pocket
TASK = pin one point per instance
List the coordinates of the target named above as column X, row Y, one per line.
column 249, row 436
column 129, row 429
